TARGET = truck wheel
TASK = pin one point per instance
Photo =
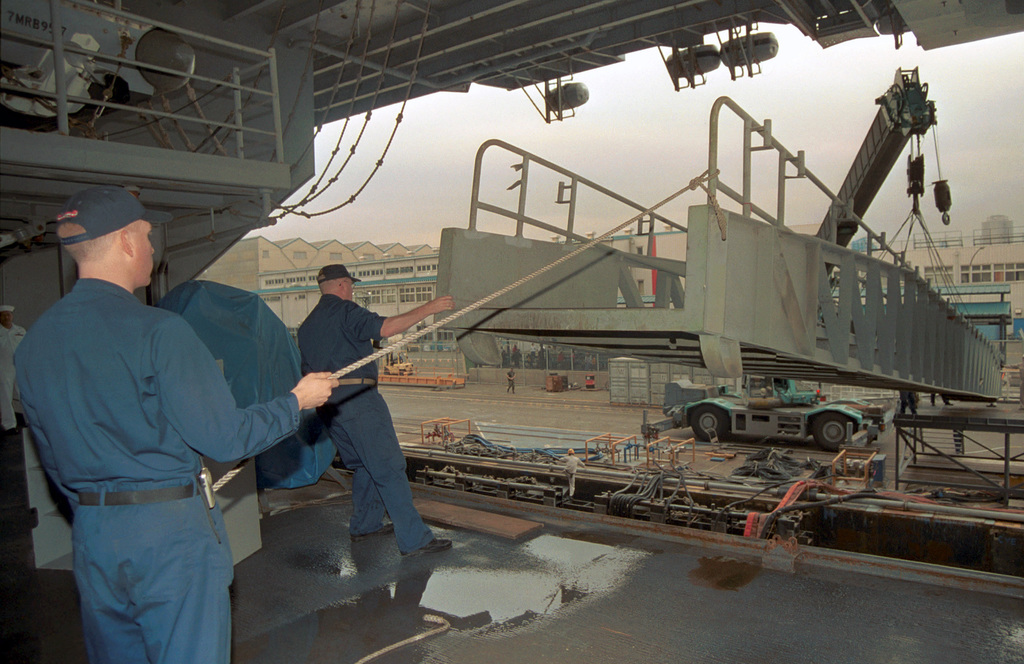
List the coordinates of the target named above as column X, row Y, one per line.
column 708, row 418
column 829, row 430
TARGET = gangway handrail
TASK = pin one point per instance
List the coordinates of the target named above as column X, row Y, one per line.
column 519, row 215
column 769, row 142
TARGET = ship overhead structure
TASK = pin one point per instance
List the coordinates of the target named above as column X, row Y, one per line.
column 209, row 108
column 744, row 295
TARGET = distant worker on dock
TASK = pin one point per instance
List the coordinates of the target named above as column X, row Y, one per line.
column 908, row 399
column 511, row 375
column 572, row 464
column 337, row 333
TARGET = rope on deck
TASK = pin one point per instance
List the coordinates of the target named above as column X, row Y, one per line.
column 442, row 627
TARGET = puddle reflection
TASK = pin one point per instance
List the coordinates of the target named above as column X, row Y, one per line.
column 723, row 573
column 551, row 572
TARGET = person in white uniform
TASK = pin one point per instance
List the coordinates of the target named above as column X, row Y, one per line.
column 10, row 336
column 572, row 464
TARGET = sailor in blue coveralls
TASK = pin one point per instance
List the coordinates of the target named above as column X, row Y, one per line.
column 337, row 333
column 122, row 399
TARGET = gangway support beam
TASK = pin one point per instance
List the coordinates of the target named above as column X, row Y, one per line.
column 788, row 305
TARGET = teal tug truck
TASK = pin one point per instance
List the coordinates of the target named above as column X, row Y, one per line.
column 769, row 407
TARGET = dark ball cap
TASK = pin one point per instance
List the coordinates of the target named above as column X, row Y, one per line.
column 102, row 210
column 332, row 272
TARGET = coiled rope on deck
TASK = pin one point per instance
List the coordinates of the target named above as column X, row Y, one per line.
column 698, row 182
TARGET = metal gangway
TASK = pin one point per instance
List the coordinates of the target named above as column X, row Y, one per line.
column 744, row 294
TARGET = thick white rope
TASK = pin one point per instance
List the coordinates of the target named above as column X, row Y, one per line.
column 695, row 183
column 230, row 475
column 443, row 626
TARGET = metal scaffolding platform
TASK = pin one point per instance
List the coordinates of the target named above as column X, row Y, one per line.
column 970, row 451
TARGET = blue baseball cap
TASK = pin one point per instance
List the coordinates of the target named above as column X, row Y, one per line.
column 102, row 210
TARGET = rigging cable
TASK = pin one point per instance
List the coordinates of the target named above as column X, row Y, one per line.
column 314, row 190
column 398, row 119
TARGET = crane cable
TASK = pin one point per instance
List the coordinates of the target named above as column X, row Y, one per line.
column 697, row 182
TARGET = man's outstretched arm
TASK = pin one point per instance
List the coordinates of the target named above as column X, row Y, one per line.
column 397, row 324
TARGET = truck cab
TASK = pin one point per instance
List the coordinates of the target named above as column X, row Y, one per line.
column 770, row 407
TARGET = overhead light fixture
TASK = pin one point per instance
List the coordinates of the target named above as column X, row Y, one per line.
column 748, row 52
column 161, row 48
column 560, row 98
column 687, row 66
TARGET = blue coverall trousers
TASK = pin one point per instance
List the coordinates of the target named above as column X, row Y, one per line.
column 153, row 581
column 362, row 430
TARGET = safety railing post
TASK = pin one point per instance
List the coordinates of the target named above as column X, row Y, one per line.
column 239, row 130
column 59, row 82
column 748, row 129
column 275, row 100
column 524, row 176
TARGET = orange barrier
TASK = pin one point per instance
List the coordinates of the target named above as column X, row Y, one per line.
column 423, row 379
column 610, row 442
column 671, row 448
column 441, row 433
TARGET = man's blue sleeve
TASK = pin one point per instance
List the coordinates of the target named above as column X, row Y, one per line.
column 46, row 453
column 196, row 401
column 362, row 323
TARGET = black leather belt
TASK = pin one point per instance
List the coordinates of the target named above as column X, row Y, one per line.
column 137, row 497
column 357, row 381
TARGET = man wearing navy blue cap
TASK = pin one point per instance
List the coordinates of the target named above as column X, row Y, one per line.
column 337, row 333
column 122, row 399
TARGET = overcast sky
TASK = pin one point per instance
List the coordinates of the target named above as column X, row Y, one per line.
column 641, row 138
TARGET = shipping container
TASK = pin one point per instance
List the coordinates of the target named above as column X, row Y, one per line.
column 634, row 381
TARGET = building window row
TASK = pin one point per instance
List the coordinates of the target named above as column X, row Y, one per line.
column 294, row 279
column 399, row 270
column 416, row 293
column 994, row 272
column 939, row 275
column 370, row 273
column 368, row 296
column 426, row 268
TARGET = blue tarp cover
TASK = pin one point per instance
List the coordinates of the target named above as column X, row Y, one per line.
column 261, row 362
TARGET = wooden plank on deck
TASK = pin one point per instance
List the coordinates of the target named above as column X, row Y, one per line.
column 478, row 520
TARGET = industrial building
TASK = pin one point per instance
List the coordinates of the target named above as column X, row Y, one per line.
column 981, row 272
column 393, row 278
